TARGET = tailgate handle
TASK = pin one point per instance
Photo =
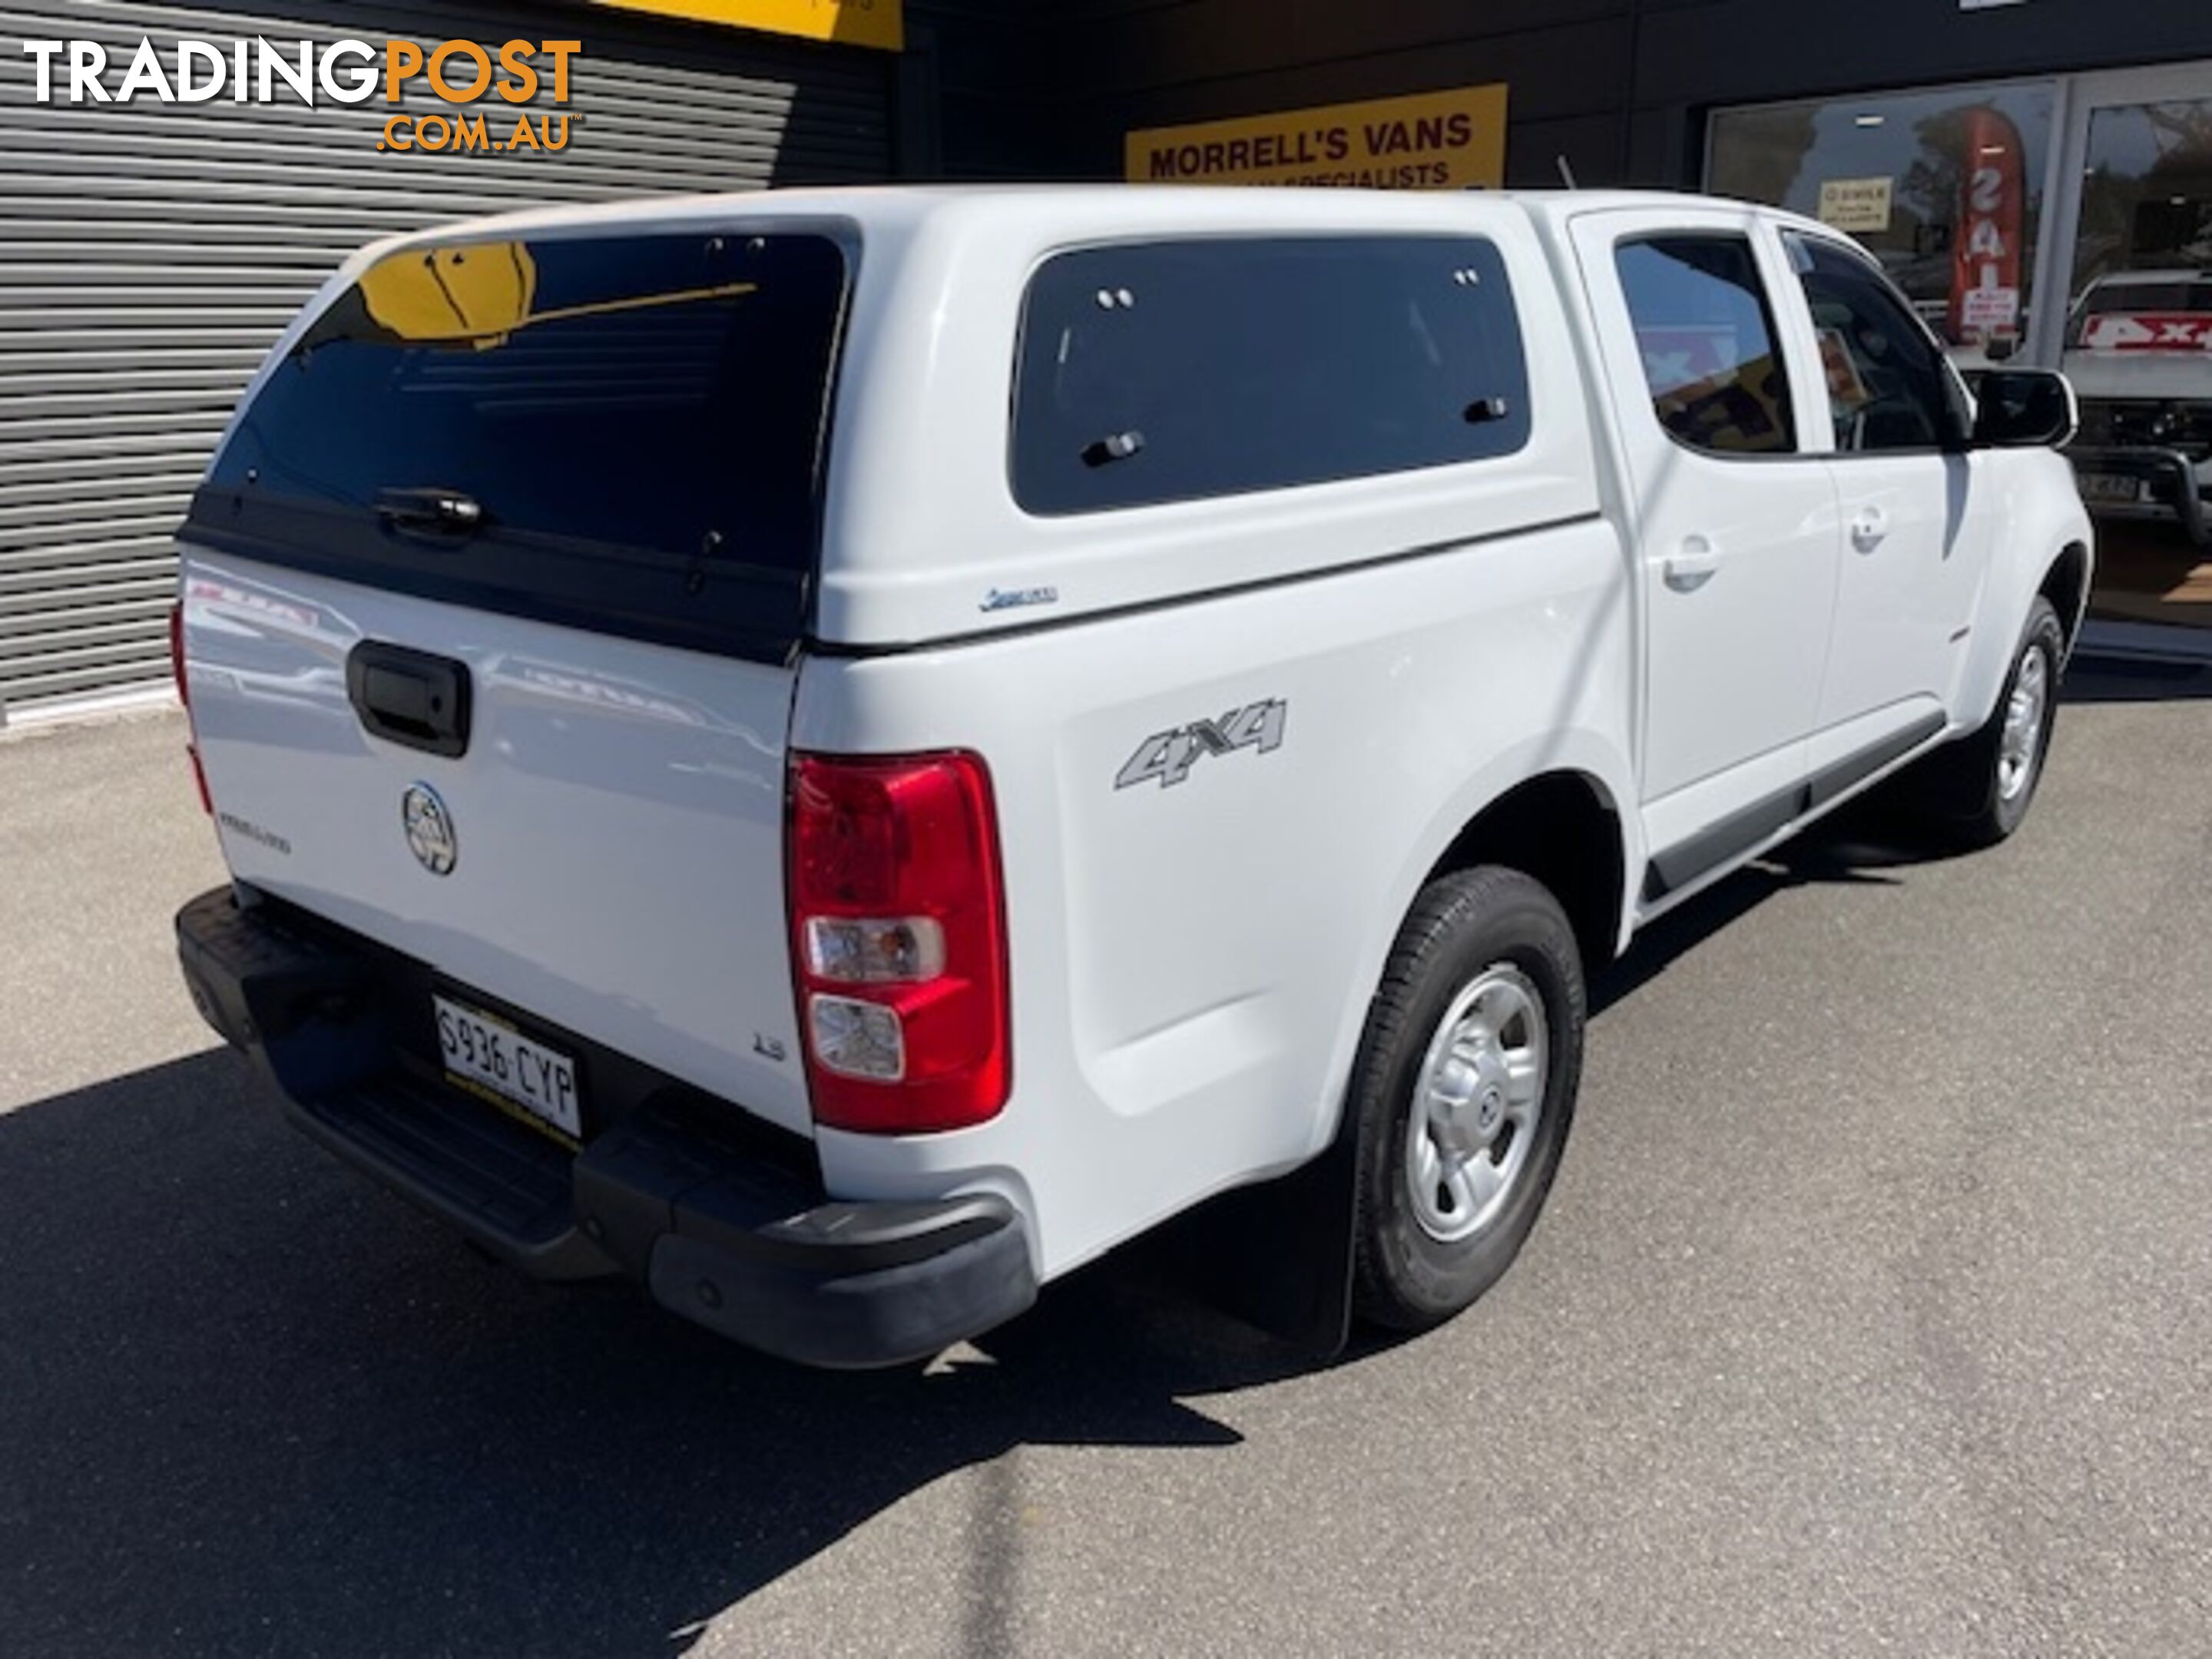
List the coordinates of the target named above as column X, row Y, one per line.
column 442, row 513
column 410, row 697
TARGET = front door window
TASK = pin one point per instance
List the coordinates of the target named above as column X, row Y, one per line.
column 1888, row 385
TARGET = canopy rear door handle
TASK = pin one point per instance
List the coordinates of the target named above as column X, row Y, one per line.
column 448, row 514
column 410, row 697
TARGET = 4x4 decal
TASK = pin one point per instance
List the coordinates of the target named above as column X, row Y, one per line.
column 1166, row 757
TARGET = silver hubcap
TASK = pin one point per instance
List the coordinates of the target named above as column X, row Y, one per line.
column 1476, row 1103
column 2021, row 746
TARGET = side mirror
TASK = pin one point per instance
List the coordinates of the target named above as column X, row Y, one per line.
column 2024, row 409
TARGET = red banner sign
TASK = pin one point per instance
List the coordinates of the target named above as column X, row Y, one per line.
column 1985, row 263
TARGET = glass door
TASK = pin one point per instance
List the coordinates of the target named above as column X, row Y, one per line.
column 2134, row 250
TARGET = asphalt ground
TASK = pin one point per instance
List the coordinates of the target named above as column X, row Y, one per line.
column 1872, row 1313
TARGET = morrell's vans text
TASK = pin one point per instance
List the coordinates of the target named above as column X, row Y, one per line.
column 841, row 755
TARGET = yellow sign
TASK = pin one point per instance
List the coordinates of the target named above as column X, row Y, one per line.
column 1854, row 203
column 853, row 22
column 478, row 295
column 1433, row 141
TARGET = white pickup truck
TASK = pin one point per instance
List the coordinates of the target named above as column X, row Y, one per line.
column 2139, row 356
column 841, row 755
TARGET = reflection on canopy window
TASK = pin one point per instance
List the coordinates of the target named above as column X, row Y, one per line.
column 627, row 428
column 1945, row 188
column 2139, row 335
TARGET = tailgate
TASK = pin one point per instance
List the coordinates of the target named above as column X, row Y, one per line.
column 492, row 604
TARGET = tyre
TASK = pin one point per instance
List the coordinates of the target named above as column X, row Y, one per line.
column 1975, row 792
column 1463, row 1091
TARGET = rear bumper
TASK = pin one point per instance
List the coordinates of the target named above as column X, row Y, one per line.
column 675, row 1193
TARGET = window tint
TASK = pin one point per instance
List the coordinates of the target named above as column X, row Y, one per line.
column 1889, row 387
column 1170, row 372
column 638, row 418
column 1707, row 337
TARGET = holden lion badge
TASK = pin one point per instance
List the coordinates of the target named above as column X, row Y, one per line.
column 429, row 829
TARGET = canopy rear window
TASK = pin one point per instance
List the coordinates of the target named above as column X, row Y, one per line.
column 621, row 432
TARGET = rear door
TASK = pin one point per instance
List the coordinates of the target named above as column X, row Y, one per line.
column 492, row 602
column 1736, row 524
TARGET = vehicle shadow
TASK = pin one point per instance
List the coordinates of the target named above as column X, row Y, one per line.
column 255, row 1405
column 1860, row 845
column 2136, row 679
column 1862, row 841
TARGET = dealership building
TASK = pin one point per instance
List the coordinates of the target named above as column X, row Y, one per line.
column 2003, row 157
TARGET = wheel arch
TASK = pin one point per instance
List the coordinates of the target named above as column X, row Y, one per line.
column 1564, row 825
column 2066, row 585
column 2045, row 546
column 1561, row 809
column 1564, row 829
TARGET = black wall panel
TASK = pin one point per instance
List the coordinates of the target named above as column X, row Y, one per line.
column 1047, row 89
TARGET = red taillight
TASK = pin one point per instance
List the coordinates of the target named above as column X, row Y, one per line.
column 177, row 653
column 184, row 696
column 898, row 941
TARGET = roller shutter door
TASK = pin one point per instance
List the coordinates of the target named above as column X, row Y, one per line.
column 150, row 252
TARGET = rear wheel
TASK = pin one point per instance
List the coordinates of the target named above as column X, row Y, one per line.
column 1464, row 1089
column 1977, row 791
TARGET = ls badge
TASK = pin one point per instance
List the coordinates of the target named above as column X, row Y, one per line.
column 1166, row 757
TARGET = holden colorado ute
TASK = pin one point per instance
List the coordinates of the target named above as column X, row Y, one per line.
column 841, row 755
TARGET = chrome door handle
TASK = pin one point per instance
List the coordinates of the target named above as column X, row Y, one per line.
column 1692, row 565
column 1869, row 529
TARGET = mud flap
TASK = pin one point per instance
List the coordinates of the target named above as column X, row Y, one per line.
column 1278, row 1255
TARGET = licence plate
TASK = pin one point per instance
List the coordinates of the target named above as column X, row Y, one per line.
column 2110, row 487
column 483, row 1052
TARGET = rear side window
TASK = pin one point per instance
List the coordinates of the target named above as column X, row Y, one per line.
column 1705, row 334
column 1171, row 371
column 633, row 425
